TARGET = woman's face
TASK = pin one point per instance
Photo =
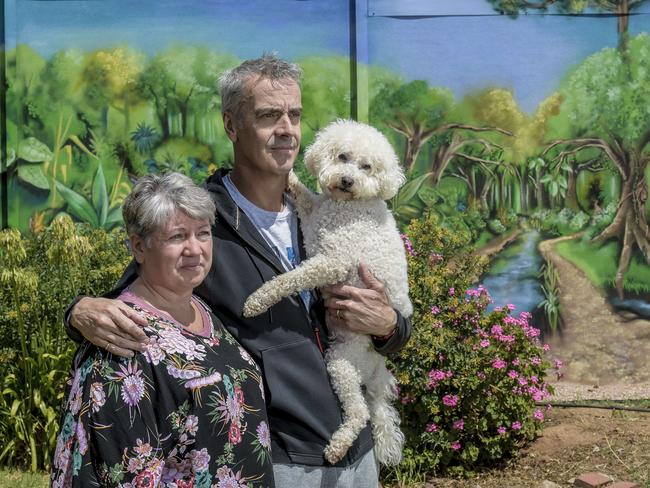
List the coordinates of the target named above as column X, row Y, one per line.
column 179, row 255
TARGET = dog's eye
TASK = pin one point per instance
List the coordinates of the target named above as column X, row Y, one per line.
column 365, row 167
column 343, row 157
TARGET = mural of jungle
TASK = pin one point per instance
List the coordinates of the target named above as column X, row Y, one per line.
column 523, row 124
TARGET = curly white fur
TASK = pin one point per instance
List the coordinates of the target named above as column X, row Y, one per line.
column 349, row 222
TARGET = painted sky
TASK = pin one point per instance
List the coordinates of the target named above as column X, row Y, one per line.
column 459, row 44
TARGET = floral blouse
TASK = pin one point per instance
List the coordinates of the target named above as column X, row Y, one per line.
column 186, row 412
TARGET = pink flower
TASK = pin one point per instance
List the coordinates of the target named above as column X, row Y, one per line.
column 97, row 396
column 455, row 445
column 558, row 364
column 435, row 310
column 513, row 374
column 510, row 306
column 406, row 399
column 516, row 362
column 538, row 414
column 485, row 343
column 452, row 291
column 450, row 400
column 501, row 430
column 143, row 449
column 481, row 375
column 459, row 424
column 191, row 424
column 132, row 389
column 546, row 347
column 536, row 361
column 263, row 435
column 408, row 245
column 499, row 363
column 200, row 459
column 516, row 425
column 234, row 434
column 431, row 427
column 496, row 330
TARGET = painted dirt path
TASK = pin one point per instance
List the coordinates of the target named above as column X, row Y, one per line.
column 606, row 355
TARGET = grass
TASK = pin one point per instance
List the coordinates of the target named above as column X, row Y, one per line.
column 21, row 479
column 600, row 263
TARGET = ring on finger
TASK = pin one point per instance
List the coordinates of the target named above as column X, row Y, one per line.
column 109, row 347
column 338, row 313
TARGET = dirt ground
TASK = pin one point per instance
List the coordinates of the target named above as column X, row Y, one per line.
column 574, row 441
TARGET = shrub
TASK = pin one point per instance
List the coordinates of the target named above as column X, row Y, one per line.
column 507, row 217
column 40, row 274
column 468, row 379
column 579, row 221
column 475, row 222
column 496, row 226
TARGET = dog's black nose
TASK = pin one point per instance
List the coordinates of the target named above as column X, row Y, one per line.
column 347, row 182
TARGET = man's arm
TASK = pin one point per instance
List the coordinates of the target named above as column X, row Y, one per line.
column 367, row 311
column 105, row 321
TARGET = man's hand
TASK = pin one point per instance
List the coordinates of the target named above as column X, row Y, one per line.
column 362, row 310
column 110, row 324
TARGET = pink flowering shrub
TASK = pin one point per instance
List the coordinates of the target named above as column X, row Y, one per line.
column 469, row 379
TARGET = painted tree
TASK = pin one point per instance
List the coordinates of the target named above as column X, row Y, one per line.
column 418, row 113
column 24, row 67
column 109, row 80
column 180, row 82
column 621, row 8
column 414, row 110
column 606, row 100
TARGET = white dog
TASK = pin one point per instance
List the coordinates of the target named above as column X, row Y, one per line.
column 348, row 223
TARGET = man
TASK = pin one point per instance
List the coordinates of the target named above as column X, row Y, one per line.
column 256, row 237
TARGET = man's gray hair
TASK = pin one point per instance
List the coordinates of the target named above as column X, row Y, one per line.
column 155, row 199
column 232, row 83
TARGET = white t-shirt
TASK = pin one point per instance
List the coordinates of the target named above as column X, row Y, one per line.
column 279, row 229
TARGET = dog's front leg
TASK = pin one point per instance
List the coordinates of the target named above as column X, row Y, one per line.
column 315, row 272
column 304, row 197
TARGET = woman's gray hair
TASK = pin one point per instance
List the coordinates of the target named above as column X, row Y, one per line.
column 156, row 198
column 232, row 83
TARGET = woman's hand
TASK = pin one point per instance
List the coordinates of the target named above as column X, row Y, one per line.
column 110, row 324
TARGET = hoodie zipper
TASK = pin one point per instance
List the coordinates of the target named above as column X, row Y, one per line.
column 318, row 341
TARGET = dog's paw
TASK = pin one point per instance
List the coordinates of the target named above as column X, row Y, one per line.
column 293, row 183
column 332, row 455
column 253, row 306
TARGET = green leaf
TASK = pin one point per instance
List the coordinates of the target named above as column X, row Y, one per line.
column 33, row 175
column 430, row 196
column 78, row 206
column 11, row 158
column 113, row 218
column 14, row 407
column 33, row 150
column 100, row 196
column 409, row 190
column 553, row 188
column 546, row 179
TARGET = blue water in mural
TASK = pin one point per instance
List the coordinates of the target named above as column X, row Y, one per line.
column 513, row 276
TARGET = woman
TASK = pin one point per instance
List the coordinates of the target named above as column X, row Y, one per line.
column 189, row 410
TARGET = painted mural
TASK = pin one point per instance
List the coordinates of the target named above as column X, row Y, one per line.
column 526, row 129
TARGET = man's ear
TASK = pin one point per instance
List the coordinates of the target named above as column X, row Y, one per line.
column 230, row 126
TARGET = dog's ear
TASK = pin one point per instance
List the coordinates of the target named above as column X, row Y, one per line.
column 313, row 155
column 391, row 179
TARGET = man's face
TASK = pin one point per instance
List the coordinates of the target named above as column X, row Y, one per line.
column 266, row 132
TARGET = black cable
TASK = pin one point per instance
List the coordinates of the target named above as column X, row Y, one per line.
column 591, row 405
